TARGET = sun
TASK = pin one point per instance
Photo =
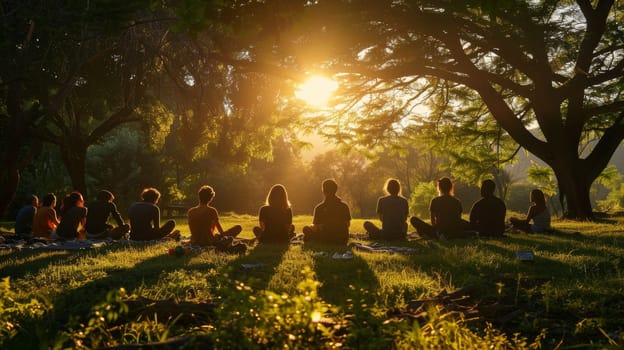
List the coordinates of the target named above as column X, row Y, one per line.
column 316, row 91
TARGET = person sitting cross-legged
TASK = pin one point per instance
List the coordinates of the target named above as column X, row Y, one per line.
column 25, row 216
column 99, row 213
column 145, row 219
column 275, row 218
column 73, row 217
column 487, row 215
column 538, row 213
column 392, row 210
column 446, row 210
column 331, row 220
column 203, row 221
column 46, row 221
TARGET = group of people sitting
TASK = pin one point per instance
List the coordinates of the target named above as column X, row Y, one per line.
column 330, row 224
column 75, row 220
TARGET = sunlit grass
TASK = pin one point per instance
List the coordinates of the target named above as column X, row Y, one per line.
column 573, row 287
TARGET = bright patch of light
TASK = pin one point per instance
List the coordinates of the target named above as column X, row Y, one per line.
column 316, row 91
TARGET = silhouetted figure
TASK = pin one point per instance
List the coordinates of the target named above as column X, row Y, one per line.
column 25, row 216
column 445, row 212
column 392, row 210
column 487, row 215
column 538, row 212
column 275, row 218
column 73, row 217
column 99, row 213
column 203, row 221
column 46, row 221
column 331, row 218
column 145, row 219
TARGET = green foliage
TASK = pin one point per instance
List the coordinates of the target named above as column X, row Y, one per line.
column 264, row 319
column 17, row 316
column 569, row 296
column 443, row 332
column 422, row 194
column 612, row 179
column 544, row 178
column 96, row 332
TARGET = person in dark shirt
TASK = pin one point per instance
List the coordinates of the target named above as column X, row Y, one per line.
column 487, row 215
column 73, row 217
column 331, row 220
column 145, row 219
column 99, row 213
column 392, row 210
column 275, row 218
column 445, row 212
column 25, row 216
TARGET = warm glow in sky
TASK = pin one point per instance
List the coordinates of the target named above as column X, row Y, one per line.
column 316, row 91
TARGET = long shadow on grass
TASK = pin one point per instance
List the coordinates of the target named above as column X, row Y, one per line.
column 33, row 262
column 344, row 279
column 256, row 268
column 79, row 301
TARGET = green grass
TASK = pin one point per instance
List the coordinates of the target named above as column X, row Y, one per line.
column 571, row 295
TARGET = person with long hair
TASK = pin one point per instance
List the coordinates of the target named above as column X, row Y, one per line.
column 538, row 213
column 445, row 212
column 275, row 218
column 392, row 210
column 145, row 219
column 73, row 217
column 203, row 221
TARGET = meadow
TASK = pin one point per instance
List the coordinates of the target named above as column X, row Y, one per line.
column 456, row 294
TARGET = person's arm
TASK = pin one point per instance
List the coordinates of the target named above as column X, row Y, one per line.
column 380, row 209
column 216, row 222
column 261, row 218
column 156, row 217
column 83, row 221
column 474, row 215
column 531, row 213
column 53, row 218
column 289, row 225
column 433, row 218
column 116, row 215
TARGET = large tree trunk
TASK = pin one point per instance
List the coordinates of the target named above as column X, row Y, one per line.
column 74, row 157
column 9, row 180
column 574, row 185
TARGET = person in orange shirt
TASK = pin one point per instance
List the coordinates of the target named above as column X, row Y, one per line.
column 203, row 221
column 45, row 220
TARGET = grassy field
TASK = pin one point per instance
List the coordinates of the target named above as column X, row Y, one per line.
column 451, row 294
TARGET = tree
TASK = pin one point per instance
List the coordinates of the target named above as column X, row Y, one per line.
column 41, row 66
column 551, row 73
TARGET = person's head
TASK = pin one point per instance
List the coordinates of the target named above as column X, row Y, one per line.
column 393, row 187
column 205, row 194
column 537, row 197
column 73, row 199
column 330, row 187
column 105, row 196
column 150, row 195
column 31, row 199
column 278, row 197
column 49, row 200
column 487, row 188
column 445, row 186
